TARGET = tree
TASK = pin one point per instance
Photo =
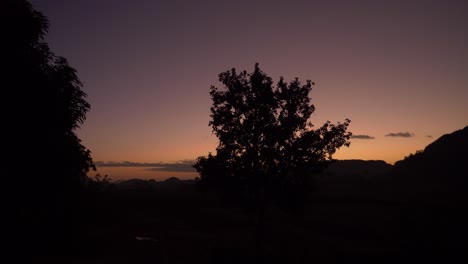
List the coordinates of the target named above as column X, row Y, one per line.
column 267, row 148
column 43, row 107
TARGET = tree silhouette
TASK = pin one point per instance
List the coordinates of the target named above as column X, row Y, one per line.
column 268, row 150
column 267, row 146
column 44, row 105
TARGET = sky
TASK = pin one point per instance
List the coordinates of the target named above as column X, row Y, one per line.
column 397, row 69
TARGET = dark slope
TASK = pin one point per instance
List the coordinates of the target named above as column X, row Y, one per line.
column 358, row 169
column 433, row 187
column 440, row 167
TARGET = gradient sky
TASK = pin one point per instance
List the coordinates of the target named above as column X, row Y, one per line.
column 390, row 66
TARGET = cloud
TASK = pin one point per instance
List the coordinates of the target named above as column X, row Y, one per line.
column 428, row 136
column 174, row 167
column 180, row 166
column 400, row 134
column 362, row 137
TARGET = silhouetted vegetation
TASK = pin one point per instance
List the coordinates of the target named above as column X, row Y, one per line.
column 99, row 182
column 268, row 150
column 44, row 103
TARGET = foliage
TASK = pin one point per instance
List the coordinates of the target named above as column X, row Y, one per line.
column 267, row 146
column 43, row 106
column 412, row 156
column 99, row 182
column 45, row 99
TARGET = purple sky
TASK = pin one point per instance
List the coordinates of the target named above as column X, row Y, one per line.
column 390, row 66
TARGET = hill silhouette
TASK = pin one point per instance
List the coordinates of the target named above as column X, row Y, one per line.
column 171, row 184
column 431, row 185
column 356, row 178
column 438, row 169
column 358, row 168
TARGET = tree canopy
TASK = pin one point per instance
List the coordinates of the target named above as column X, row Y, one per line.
column 44, row 96
column 266, row 140
column 43, row 106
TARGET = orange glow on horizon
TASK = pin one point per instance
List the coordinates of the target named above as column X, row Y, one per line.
column 145, row 173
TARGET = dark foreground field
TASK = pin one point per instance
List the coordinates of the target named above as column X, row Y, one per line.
column 182, row 226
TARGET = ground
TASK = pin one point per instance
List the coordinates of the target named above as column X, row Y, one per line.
column 184, row 226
